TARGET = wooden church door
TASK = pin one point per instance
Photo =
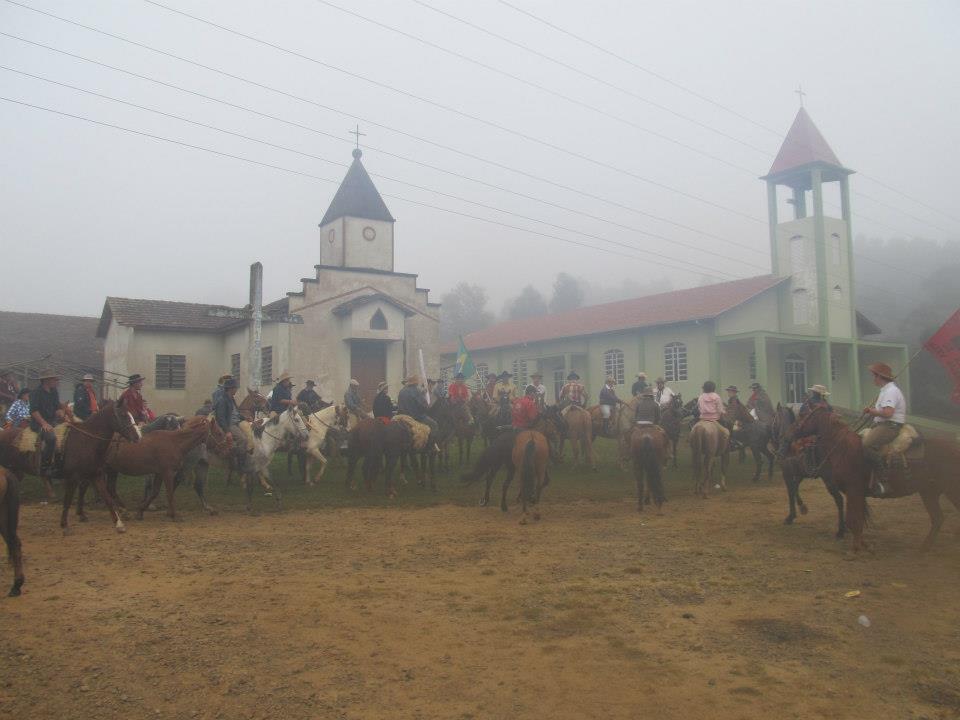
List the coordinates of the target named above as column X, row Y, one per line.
column 368, row 365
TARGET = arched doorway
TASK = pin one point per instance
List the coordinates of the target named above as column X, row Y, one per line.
column 795, row 374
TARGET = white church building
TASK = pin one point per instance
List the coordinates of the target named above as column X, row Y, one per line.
column 356, row 318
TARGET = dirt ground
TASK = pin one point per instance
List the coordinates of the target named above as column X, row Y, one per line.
column 713, row 610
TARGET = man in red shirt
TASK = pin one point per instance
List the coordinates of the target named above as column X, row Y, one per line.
column 525, row 410
column 132, row 401
column 459, row 396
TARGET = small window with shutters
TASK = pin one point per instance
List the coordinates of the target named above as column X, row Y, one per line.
column 266, row 365
column 482, row 370
column 171, row 372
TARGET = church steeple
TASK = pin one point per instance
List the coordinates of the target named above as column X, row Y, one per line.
column 357, row 229
column 803, row 149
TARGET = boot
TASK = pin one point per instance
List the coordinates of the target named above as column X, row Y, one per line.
column 878, row 476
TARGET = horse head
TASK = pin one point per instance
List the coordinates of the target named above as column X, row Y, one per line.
column 118, row 420
column 297, row 422
column 220, row 442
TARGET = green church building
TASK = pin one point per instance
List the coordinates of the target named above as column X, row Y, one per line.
column 787, row 330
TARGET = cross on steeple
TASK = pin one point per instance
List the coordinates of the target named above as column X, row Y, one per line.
column 799, row 91
column 358, row 135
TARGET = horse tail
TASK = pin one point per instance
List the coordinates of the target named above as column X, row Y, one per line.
column 528, row 471
column 651, row 466
column 10, row 509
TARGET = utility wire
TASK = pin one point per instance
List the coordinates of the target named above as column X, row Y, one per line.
column 280, row 168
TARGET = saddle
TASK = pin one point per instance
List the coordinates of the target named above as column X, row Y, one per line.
column 418, row 430
column 905, row 448
column 29, row 441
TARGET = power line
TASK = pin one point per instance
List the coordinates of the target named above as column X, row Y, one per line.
column 281, row 168
column 689, row 91
column 385, row 177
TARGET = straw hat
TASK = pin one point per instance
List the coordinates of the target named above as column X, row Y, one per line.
column 354, row 382
column 642, row 375
column 381, row 386
column 881, row 369
column 285, row 376
column 820, row 389
column 88, row 376
column 224, row 377
column 610, row 380
column 756, row 386
column 49, row 375
column 660, row 380
column 732, row 388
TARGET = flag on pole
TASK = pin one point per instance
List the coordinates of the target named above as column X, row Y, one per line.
column 944, row 345
column 464, row 361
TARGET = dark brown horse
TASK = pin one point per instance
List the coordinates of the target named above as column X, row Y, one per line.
column 746, row 431
column 671, row 420
column 9, row 519
column 649, row 448
column 531, row 453
column 844, row 462
column 365, row 442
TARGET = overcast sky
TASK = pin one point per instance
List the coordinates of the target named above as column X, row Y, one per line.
column 106, row 212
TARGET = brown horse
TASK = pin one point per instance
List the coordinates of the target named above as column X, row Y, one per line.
column 671, row 421
column 9, row 518
column 580, row 434
column 249, row 408
column 619, row 427
column 750, row 433
column 161, row 453
column 531, row 452
column 708, row 441
column 649, row 447
column 365, row 441
column 845, row 465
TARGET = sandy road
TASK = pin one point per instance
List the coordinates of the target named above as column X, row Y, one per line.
column 712, row 610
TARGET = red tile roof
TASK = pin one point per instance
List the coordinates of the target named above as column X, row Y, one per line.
column 664, row 309
column 803, row 145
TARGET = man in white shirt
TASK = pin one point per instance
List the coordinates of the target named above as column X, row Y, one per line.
column 889, row 414
column 663, row 395
column 537, row 381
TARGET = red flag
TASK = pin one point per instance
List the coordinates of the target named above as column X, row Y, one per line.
column 945, row 346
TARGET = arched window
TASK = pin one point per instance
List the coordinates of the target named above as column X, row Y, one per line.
column 675, row 361
column 801, row 307
column 613, row 365
column 837, row 292
column 378, row 321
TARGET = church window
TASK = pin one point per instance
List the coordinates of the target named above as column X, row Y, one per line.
column 520, row 373
column 378, row 321
column 235, row 366
column 835, row 248
column 752, row 364
column 801, row 307
column 798, row 253
column 266, row 365
column 675, row 362
column 613, row 365
column 482, row 369
column 837, row 292
column 171, row 372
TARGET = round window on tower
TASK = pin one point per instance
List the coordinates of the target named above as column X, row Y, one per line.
column 369, row 233
column 331, row 236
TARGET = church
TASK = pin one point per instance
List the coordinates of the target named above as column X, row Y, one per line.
column 786, row 330
column 355, row 318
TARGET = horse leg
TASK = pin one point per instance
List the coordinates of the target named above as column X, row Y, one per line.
column 931, row 501
column 792, row 485
column 150, row 496
column 758, row 461
column 69, row 486
column 81, row 495
column 167, row 479
column 770, row 461
column 101, row 483
column 724, row 464
column 248, row 490
column 674, row 442
column 200, row 471
column 351, row 467
column 506, row 485
column 638, row 477
column 837, row 499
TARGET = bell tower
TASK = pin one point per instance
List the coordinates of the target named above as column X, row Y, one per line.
column 812, row 248
column 357, row 229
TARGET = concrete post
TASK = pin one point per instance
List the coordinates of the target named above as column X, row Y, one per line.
column 772, row 219
column 760, row 356
column 256, row 325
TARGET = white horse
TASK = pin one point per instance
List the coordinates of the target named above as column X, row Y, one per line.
column 290, row 423
column 335, row 417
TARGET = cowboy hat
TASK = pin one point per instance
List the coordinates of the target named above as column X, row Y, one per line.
column 311, row 383
column 354, row 382
column 381, row 386
column 223, row 377
column 573, row 376
column 660, row 380
column 881, row 369
column 88, row 376
column 642, row 374
column 732, row 388
column 819, row 389
column 285, row 376
column 49, row 375
column 530, row 390
column 610, row 380
column 504, row 374
column 133, row 379
column 756, row 386
column 537, row 375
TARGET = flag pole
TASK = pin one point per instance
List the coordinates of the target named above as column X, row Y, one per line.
column 423, row 374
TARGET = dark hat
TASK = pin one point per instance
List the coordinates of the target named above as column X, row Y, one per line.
column 732, row 388
column 311, row 383
column 23, row 391
column 573, row 376
column 756, row 386
column 504, row 374
column 530, row 390
column 458, row 376
column 230, row 383
column 490, row 375
column 135, row 378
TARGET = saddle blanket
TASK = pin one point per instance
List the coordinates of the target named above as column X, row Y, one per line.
column 419, row 431
column 28, row 440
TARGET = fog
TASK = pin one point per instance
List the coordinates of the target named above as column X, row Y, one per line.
column 90, row 210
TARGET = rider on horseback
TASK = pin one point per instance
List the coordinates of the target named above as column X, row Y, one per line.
column 46, row 410
column 281, row 398
column 648, row 409
column 132, row 400
column 526, row 410
column 352, row 399
column 608, row 401
column 663, row 395
column 889, row 414
column 503, row 387
column 412, row 401
column 537, row 381
column 573, row 392
column 459, row 396
column 761, row 404
column 228, row 417
column 709, row 404
column 383, row 408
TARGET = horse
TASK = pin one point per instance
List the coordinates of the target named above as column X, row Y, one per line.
column 9, row 519
column 707, row 442
column 752, row 434
column 793, row 468
column 580, row 434
column 531, row 451
column 464, row 431
column 197, row 462
column 160, row 454
column 365, row 440
column 336, row 420
column 619, row 427
column 649, row 446
column 844, row 460
column 671, row 419
column 289, row 423
column 251, row 409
